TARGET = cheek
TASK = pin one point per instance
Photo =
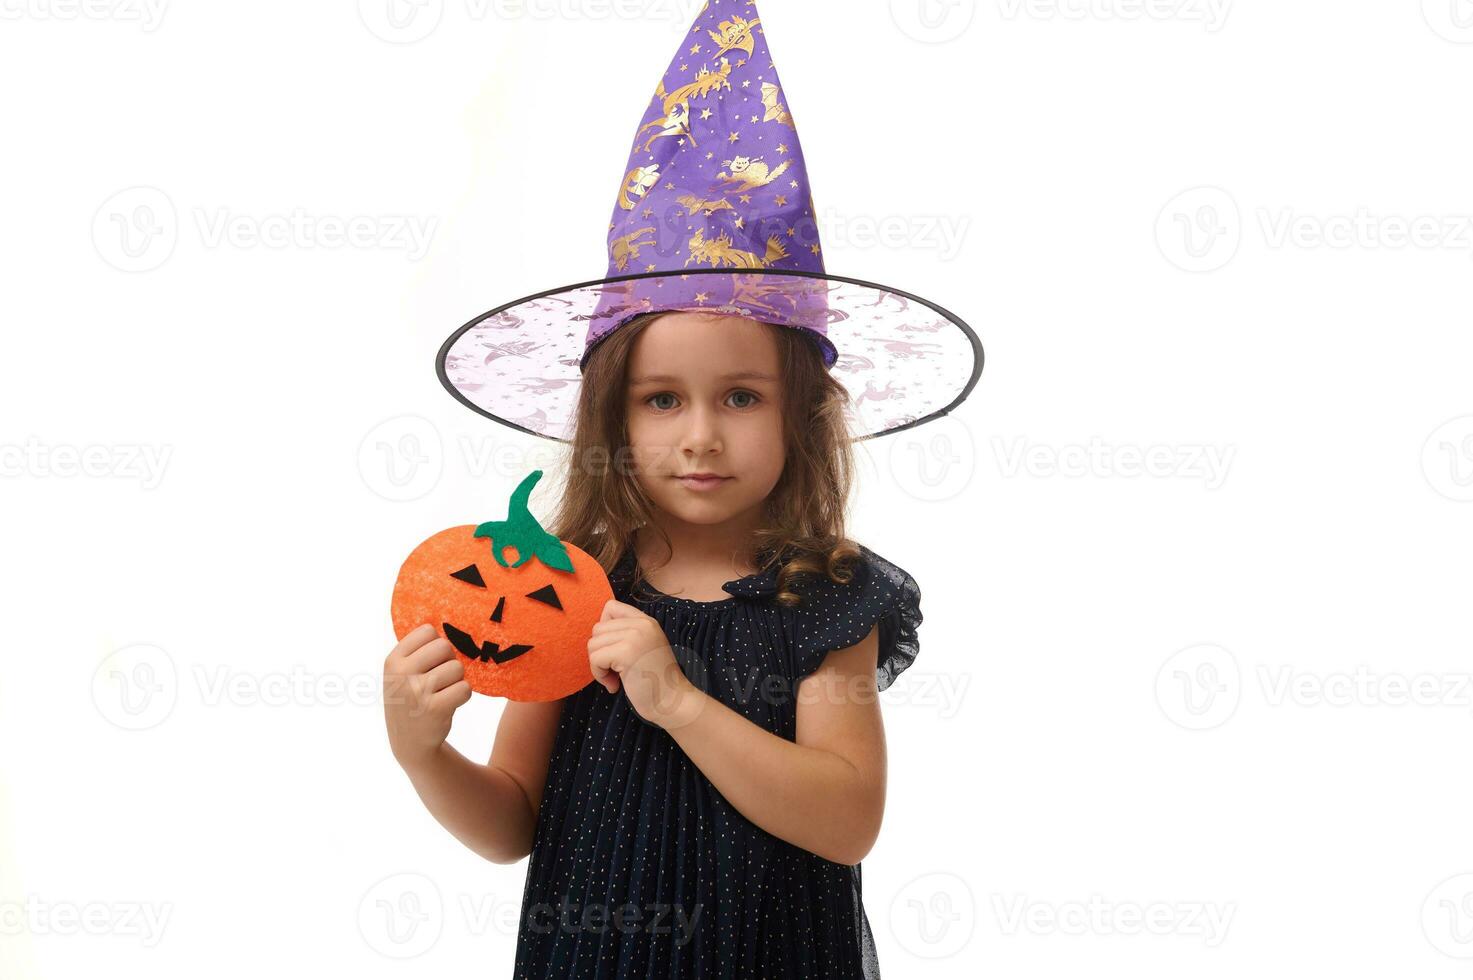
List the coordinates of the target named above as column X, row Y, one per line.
column 645, row 431
column 772, row 457
column 768, row 436
column 647, row 457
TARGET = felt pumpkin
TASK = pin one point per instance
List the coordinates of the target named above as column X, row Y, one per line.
column 520, row 629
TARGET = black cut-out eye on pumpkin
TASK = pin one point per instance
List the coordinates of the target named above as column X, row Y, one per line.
column 546, row 594
column 471, row 574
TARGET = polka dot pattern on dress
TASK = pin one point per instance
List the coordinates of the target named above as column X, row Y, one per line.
column 639, row 866
column 837, row 616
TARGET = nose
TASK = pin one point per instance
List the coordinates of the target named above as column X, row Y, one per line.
column 500, row 606
column 702, row 433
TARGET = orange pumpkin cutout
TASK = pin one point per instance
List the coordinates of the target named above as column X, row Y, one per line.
column 520, row 630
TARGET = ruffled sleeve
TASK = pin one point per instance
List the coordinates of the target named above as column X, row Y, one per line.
column 833, row 616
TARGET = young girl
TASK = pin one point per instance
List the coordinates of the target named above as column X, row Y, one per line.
column 701, row 809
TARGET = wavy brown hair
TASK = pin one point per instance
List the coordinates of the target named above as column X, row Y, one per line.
column 602, row 504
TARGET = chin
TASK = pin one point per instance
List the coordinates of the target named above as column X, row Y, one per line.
column 697, row 512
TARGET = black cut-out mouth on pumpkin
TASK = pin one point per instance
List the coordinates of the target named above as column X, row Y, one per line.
column 489, row 650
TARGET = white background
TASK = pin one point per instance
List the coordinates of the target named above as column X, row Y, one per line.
column 1191, row 555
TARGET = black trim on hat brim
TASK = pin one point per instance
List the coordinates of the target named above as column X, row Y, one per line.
column 971, row 335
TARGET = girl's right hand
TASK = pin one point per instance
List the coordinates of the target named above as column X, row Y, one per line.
column 424, row 683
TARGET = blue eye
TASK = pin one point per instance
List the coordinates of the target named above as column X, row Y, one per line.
column 666, row 394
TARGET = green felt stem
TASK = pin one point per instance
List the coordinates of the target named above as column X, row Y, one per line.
column 521, row 531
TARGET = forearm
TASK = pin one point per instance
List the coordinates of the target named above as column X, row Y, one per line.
column 809, row 797
column 482, row 806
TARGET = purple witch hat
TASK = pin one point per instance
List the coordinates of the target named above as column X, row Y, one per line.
column 715, row 214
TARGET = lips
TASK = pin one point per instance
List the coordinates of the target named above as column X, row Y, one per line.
column 702, row 484
column 463, row 643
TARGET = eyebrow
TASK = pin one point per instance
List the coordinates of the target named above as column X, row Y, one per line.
column 734, row 376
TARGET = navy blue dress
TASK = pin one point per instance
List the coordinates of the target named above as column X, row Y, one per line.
column 639, row 866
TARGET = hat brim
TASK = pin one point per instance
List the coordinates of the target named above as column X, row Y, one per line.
column 903, row 366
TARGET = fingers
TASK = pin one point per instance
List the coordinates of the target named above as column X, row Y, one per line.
column 609, row 625
column 455, row 695
column 614, row 609
column 603, row 638
column 632, row 630
column 444, row 675
column 429, row 656
column 413, row 640
column 604, row 672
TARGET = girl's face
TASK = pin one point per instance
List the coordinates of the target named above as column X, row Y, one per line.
column 703, row 397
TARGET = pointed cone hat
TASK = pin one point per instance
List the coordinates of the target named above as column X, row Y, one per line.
column 714, row 213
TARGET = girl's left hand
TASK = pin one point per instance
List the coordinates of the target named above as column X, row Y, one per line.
column 629, row 649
